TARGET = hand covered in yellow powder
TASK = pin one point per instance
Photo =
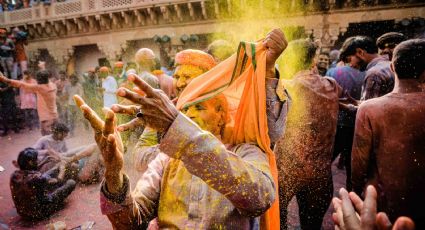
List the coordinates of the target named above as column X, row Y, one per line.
column 155, row 109
column 109, row 142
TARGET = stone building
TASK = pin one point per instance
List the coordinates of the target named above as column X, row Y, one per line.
column 79, row 34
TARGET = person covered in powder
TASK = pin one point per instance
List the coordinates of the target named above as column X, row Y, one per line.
column 37, row 195
column 323, row 63
column 29, row 101
column 388, row 149
column 351, row 79
column 109, row 87
column 82, row 163
column 223, row 188
column 46, row 98
column 304, row 152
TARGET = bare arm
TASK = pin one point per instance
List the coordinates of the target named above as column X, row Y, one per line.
column 18, row 84
column 361, row 152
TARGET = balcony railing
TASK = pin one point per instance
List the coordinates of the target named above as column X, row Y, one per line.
column 78, row 8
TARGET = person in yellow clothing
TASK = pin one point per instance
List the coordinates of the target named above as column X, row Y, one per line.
column 219, row 175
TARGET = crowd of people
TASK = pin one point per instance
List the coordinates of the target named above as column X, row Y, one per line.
column 229, row 139
column 9, row 5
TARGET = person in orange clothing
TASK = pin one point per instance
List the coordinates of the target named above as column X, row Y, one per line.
column 46, row 98
column 202, row 178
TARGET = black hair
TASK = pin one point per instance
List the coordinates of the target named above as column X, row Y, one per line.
column 25, row 158
column 42, row 77
column 362, row 42
column 409, row 59
column 390, row 38
column 60, row 128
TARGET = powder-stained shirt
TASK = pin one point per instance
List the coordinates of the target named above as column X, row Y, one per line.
column 110, row 87
column 28, row 189
column 379, row 80
column 46, row 98
column 305, row 149
column 351, row 81
column 230, row 193
column 389, row 152
column 46, row 142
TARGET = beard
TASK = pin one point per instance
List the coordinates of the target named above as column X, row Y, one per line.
column 362, row 65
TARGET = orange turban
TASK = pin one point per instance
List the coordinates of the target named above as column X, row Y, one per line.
column 196, row 58
column 3, row 31
column 104, row 69
column 241, row 79
column 119, row 64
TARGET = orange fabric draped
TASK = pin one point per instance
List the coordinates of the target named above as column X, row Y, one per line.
column 241, row 79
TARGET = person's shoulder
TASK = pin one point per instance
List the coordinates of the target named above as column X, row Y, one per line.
column 375, row 104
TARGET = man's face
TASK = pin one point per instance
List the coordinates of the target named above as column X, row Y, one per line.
column 60, row 136
column 387, row 49
column 103, row 74
column 358, row 59
column 208, row 115
column 323, row 61
column 184, row 74
column 118, row 70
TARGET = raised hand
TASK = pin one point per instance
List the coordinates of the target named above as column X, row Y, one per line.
column 352, row 213
column 109, row 143
column 155, row 109
column 275, row 43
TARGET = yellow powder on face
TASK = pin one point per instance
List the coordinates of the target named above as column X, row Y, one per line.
column 184, row 75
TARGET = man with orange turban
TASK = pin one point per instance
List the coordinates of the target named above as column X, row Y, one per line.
column 197, row 181
column 119, row 72
column 109, row 87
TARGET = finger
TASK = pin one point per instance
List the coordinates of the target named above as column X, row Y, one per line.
column 383, row 222
column 404, row 223
column 109, row 123
column 336, row 202
column 368, row 214
column 145, row 87
column 340, row 218
column 357, row 201
column 139, row 91
column 132, row 96
column 110, row 148
column 335, row 218
column 349, row 214
column 125, row 109
column 78, row 100
column 94, row 120
column 133, row 124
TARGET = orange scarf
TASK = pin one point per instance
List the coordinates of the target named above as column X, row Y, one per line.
column 241, row 79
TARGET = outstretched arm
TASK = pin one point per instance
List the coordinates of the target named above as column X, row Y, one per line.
column 123, row 210
column 242, row 176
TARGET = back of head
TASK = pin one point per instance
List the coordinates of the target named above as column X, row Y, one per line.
column 409, row 59
column 362, row 42
column 42, row 77
column 299, row 55
column 334, row 55
column 27, row 159
column 220, row 49
column 391, row 38
column 145, row 58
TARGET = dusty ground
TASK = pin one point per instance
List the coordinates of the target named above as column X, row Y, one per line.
column 83, row 204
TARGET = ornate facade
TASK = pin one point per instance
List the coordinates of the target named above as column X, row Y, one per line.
column 79, row 30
